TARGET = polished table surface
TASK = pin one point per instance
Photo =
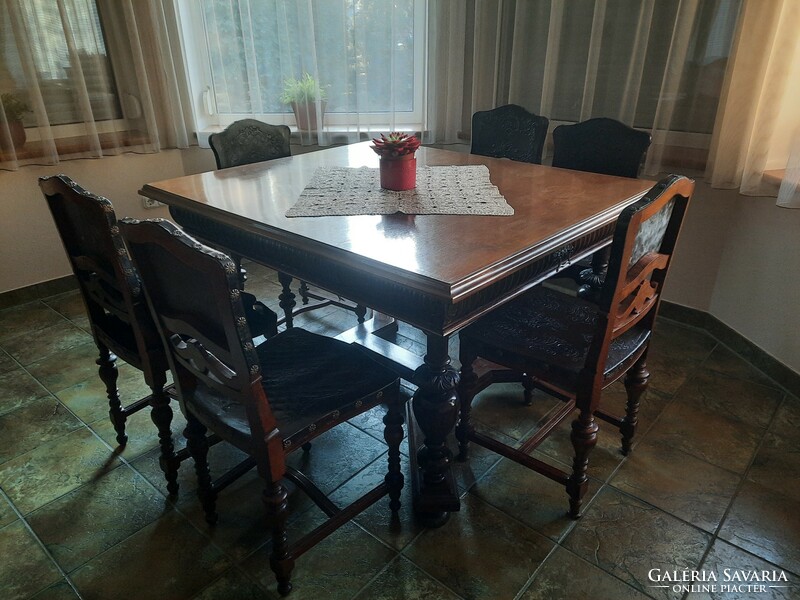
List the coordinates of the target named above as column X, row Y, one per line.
column 436, row 272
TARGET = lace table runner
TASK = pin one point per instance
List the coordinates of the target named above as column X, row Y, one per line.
column 450, row 190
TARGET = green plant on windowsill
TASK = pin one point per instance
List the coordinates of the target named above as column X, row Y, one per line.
column 303, row 90
column 14, row 107
column 307, row 99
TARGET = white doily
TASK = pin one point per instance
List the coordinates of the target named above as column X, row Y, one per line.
column 450, row 190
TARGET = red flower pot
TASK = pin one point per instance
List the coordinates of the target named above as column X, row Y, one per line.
column 399, row 173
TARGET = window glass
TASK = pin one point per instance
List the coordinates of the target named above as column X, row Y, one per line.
column 62, row 41
column 362, row 53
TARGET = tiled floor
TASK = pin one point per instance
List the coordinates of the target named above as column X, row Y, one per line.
column 713, row 483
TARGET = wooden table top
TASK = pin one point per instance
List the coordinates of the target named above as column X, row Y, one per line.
column 449, row 256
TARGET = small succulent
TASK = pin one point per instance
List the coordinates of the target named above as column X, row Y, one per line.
column 395, row 144
column 14, row 107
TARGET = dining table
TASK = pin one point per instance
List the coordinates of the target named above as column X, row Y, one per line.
column 434, row 272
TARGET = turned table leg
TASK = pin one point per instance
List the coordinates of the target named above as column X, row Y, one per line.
column 435, row 410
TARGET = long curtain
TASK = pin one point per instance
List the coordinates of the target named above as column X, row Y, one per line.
column 789, row 192
column 55, row 73
column 654, row 65
column 759, row 117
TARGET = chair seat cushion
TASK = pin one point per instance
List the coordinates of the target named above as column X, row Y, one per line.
column 547, row 334
column 311, row 382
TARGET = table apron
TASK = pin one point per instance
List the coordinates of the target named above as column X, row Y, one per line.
column 431, row 313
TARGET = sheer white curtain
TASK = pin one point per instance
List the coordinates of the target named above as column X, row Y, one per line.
column 789, row 193
column 657, row 66
column 365, row 59
column 759, row 117
column 88, row 78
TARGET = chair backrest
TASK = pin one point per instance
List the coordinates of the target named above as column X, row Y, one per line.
column 600, row 145
column 641, row 252
column 249, row 141
column 109, row 284
column 509, row 131
column 193, row 294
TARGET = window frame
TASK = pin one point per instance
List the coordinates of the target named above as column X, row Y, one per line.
column 208, row 120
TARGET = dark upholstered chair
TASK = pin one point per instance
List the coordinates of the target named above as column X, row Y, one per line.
column 509, row 131
column 119, row 317
column 603, row 146
column 600, row 146
column 249, row 141
column 267, row 400
column 245, row 142
column 573, row 349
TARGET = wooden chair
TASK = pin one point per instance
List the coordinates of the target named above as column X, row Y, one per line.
column 120, row 320
column 509, row 131
column 603, row 146
column 247, row 141
column 267, row 400
column 573, row 349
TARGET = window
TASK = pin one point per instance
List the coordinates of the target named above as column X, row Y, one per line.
column 58, row 70
column 61, row 47
column 56, row 65
column 366, row 55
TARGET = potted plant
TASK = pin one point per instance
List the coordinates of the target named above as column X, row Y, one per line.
column 306, row 97
column 14, row 109
column 398, row 165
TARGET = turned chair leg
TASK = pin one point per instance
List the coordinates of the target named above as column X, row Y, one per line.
column 109, row 374
column 303, row 289
column 241, row 271
column 635, row 385
column 275, row 499
column 197, row 443
column 361, row 312
column 287, row 302
column 393, row 434
column 527, row 385
column 584, row 438
column 161, row 415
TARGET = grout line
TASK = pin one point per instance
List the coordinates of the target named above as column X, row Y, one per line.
column 41, row 544
column 640, row 437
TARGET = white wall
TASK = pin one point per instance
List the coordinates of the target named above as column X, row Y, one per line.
column 757, row 289
column 30, row 249
column 738, row 257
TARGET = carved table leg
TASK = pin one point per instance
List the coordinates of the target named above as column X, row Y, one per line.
column 592, row 279
column 435, row 410
column 287, row 302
